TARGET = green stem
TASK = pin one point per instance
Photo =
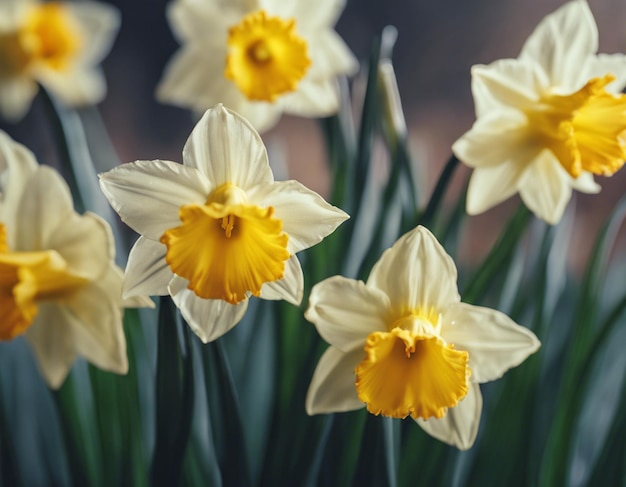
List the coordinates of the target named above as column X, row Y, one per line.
column 440, row 189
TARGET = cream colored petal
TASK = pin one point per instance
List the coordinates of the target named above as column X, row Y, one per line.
column 202, row 22
column 85, row 242
column 496, row 138
column 585, row 184
column 506, row 83
column 562, row 43
column 194, row 80
column 16, row 96
column 147, row 273
column 17, row 165
column 602, row 64
column 225, row 148
column 332, row 388
column 313, row 98
column 330, row 55
column 417, row 274
column 306, row 217
column 12, row 13
column 546, row 188
column 97, row 330
column 46, row 204
column 77, row 87
column 148, row 194
column 51, row 339
column 346, row 311
column 490, row 186
column 460, row 424
column 309, row 15
column 208, row 318
column 99, row 23
column 494, row 341
column 134, row 301
column 290, row 288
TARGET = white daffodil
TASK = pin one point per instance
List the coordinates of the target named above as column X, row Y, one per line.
column 403, row 344
column 56, row 44
column 217, row 228
column 547, row 121
column 258, row 57
column 58, row 283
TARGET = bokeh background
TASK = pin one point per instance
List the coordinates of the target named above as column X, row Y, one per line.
column 438, row 42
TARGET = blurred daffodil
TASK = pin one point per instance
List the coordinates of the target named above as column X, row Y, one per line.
column 217, row 228
column 258, row 57
column 403, row 344
column 56, row 44
column 58, row 283
column 547, row 121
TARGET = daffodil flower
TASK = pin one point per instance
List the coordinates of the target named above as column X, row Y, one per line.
column 258, row 57
column 59, row 285
column 217, row 228
column 547, row 121
column 56, row 44
column 403, row 344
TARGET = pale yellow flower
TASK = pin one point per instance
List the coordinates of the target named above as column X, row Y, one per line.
column 56, row 44
column 58, row 283
column 258, row 57
column 217, row 229
column 548, row 120
column 403, row 344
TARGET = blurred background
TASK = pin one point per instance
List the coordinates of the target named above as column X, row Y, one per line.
column 438, row 42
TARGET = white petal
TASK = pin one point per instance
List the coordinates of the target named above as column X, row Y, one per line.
column 333, row 388
column 494, row 341
column 490, row 186
column 16, row 96
column 346, row 311
column 202, row 22
column 99, row 23
column 585, row 184
column 306, row 217
column 546, row 188
column 460, row 424
column 12, row 13
column 562, row 43
column 147, row 273
column 309, row 15
column 46, row 204
column 132, row 302
column 506, row 83
column 290, row 288
column 51, row 339
column 17, row 165
column 495, row 138
column 225, row 148
column 330, row 56
column 85, row 242
column 97, row 330
column 148, row 194
column 313, row 98
column 416, row 273
column 77, row 87
column 603, row 64
column 208, row 318
column 190, row 78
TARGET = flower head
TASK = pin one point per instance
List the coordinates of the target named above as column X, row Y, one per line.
column 403, row 344
column 547, row 121
column 217, row 228
column 56, row 44
column 59, row 285
column 259, row 57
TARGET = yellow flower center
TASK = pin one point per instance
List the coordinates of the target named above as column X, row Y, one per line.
column 266, row 58
column 27, row 278
column 411, row 370
column 48, row 36
column 586, row 130
column 227, row 248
